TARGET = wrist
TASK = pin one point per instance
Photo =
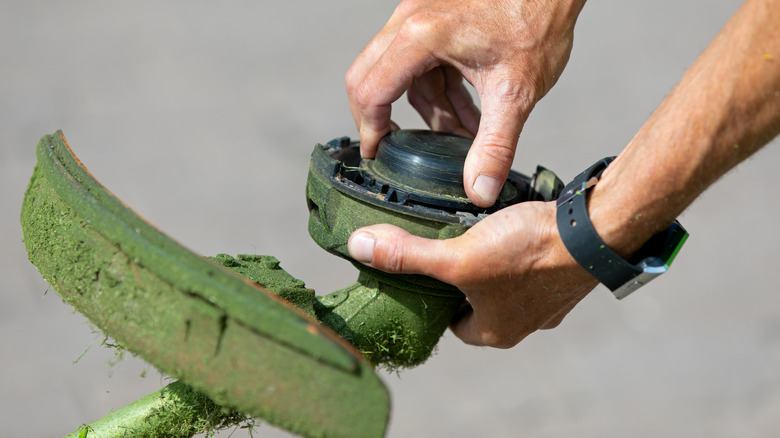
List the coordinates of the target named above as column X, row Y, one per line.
column 621, row 216
column 620, row 273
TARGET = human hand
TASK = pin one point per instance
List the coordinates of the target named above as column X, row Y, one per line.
column 511, row 51
column 512, row 266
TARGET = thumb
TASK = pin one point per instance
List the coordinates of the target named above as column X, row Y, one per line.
column 394, row 250
column 490, row 157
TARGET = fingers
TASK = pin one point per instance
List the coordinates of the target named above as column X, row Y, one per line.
column 403, row 57
column 378, row 80
column 485, row 328
column 492, row 326
column 443, row 101
column 361, row 66
column 465, row 328
column 505, row 107
column 469, row 329
column 391, row 249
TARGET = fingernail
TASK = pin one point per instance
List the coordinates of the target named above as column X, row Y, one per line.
column 487, row 188
column 361, row 247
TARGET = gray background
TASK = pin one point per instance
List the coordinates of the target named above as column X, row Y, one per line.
column 202, row 115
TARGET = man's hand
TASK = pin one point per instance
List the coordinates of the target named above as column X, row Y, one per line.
column 512, row 266
column 511, row 51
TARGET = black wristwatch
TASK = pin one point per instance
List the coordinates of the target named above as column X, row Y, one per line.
column 621, row 276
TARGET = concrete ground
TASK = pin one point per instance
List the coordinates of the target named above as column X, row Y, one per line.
column 202, row 115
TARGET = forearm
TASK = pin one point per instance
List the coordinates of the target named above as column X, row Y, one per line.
column 725, row 108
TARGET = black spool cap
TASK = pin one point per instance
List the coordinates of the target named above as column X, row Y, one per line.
column 420, row 173
column 427, row 167
column 422, row 161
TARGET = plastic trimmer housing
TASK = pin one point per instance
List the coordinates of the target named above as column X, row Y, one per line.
column 256, row 340
column 416, row 183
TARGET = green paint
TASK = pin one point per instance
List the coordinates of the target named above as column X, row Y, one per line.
column 230, row 336
column 683, row 237
column 267, row 272
column 84, row 431
column 220, row 333
column 334, row 216
column 177, row 410
column 392, row 325
column 395, row 320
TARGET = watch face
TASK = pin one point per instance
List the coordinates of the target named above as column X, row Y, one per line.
column 582, row 241
column 638, row 281
column 677, row 235
column 666, row 245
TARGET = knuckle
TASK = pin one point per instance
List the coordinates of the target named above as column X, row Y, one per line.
column 511, row 96
column 364, row 96
column 352, row 79
column 393, row 257
column 497, row 146
column 497, row 339
column 459, row 271
column 513, row 90
column 359, row 91
column 407, row 7
column 420, row 25
column 464, row 266
column 415, row 25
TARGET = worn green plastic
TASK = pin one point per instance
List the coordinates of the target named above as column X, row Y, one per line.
column 224, row 335
column 175, row 411
column 395, row 320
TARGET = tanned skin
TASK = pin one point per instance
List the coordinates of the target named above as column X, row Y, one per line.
column 512, row 266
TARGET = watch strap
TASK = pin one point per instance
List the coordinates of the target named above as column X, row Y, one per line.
column 589, row 250
column 581, row 239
